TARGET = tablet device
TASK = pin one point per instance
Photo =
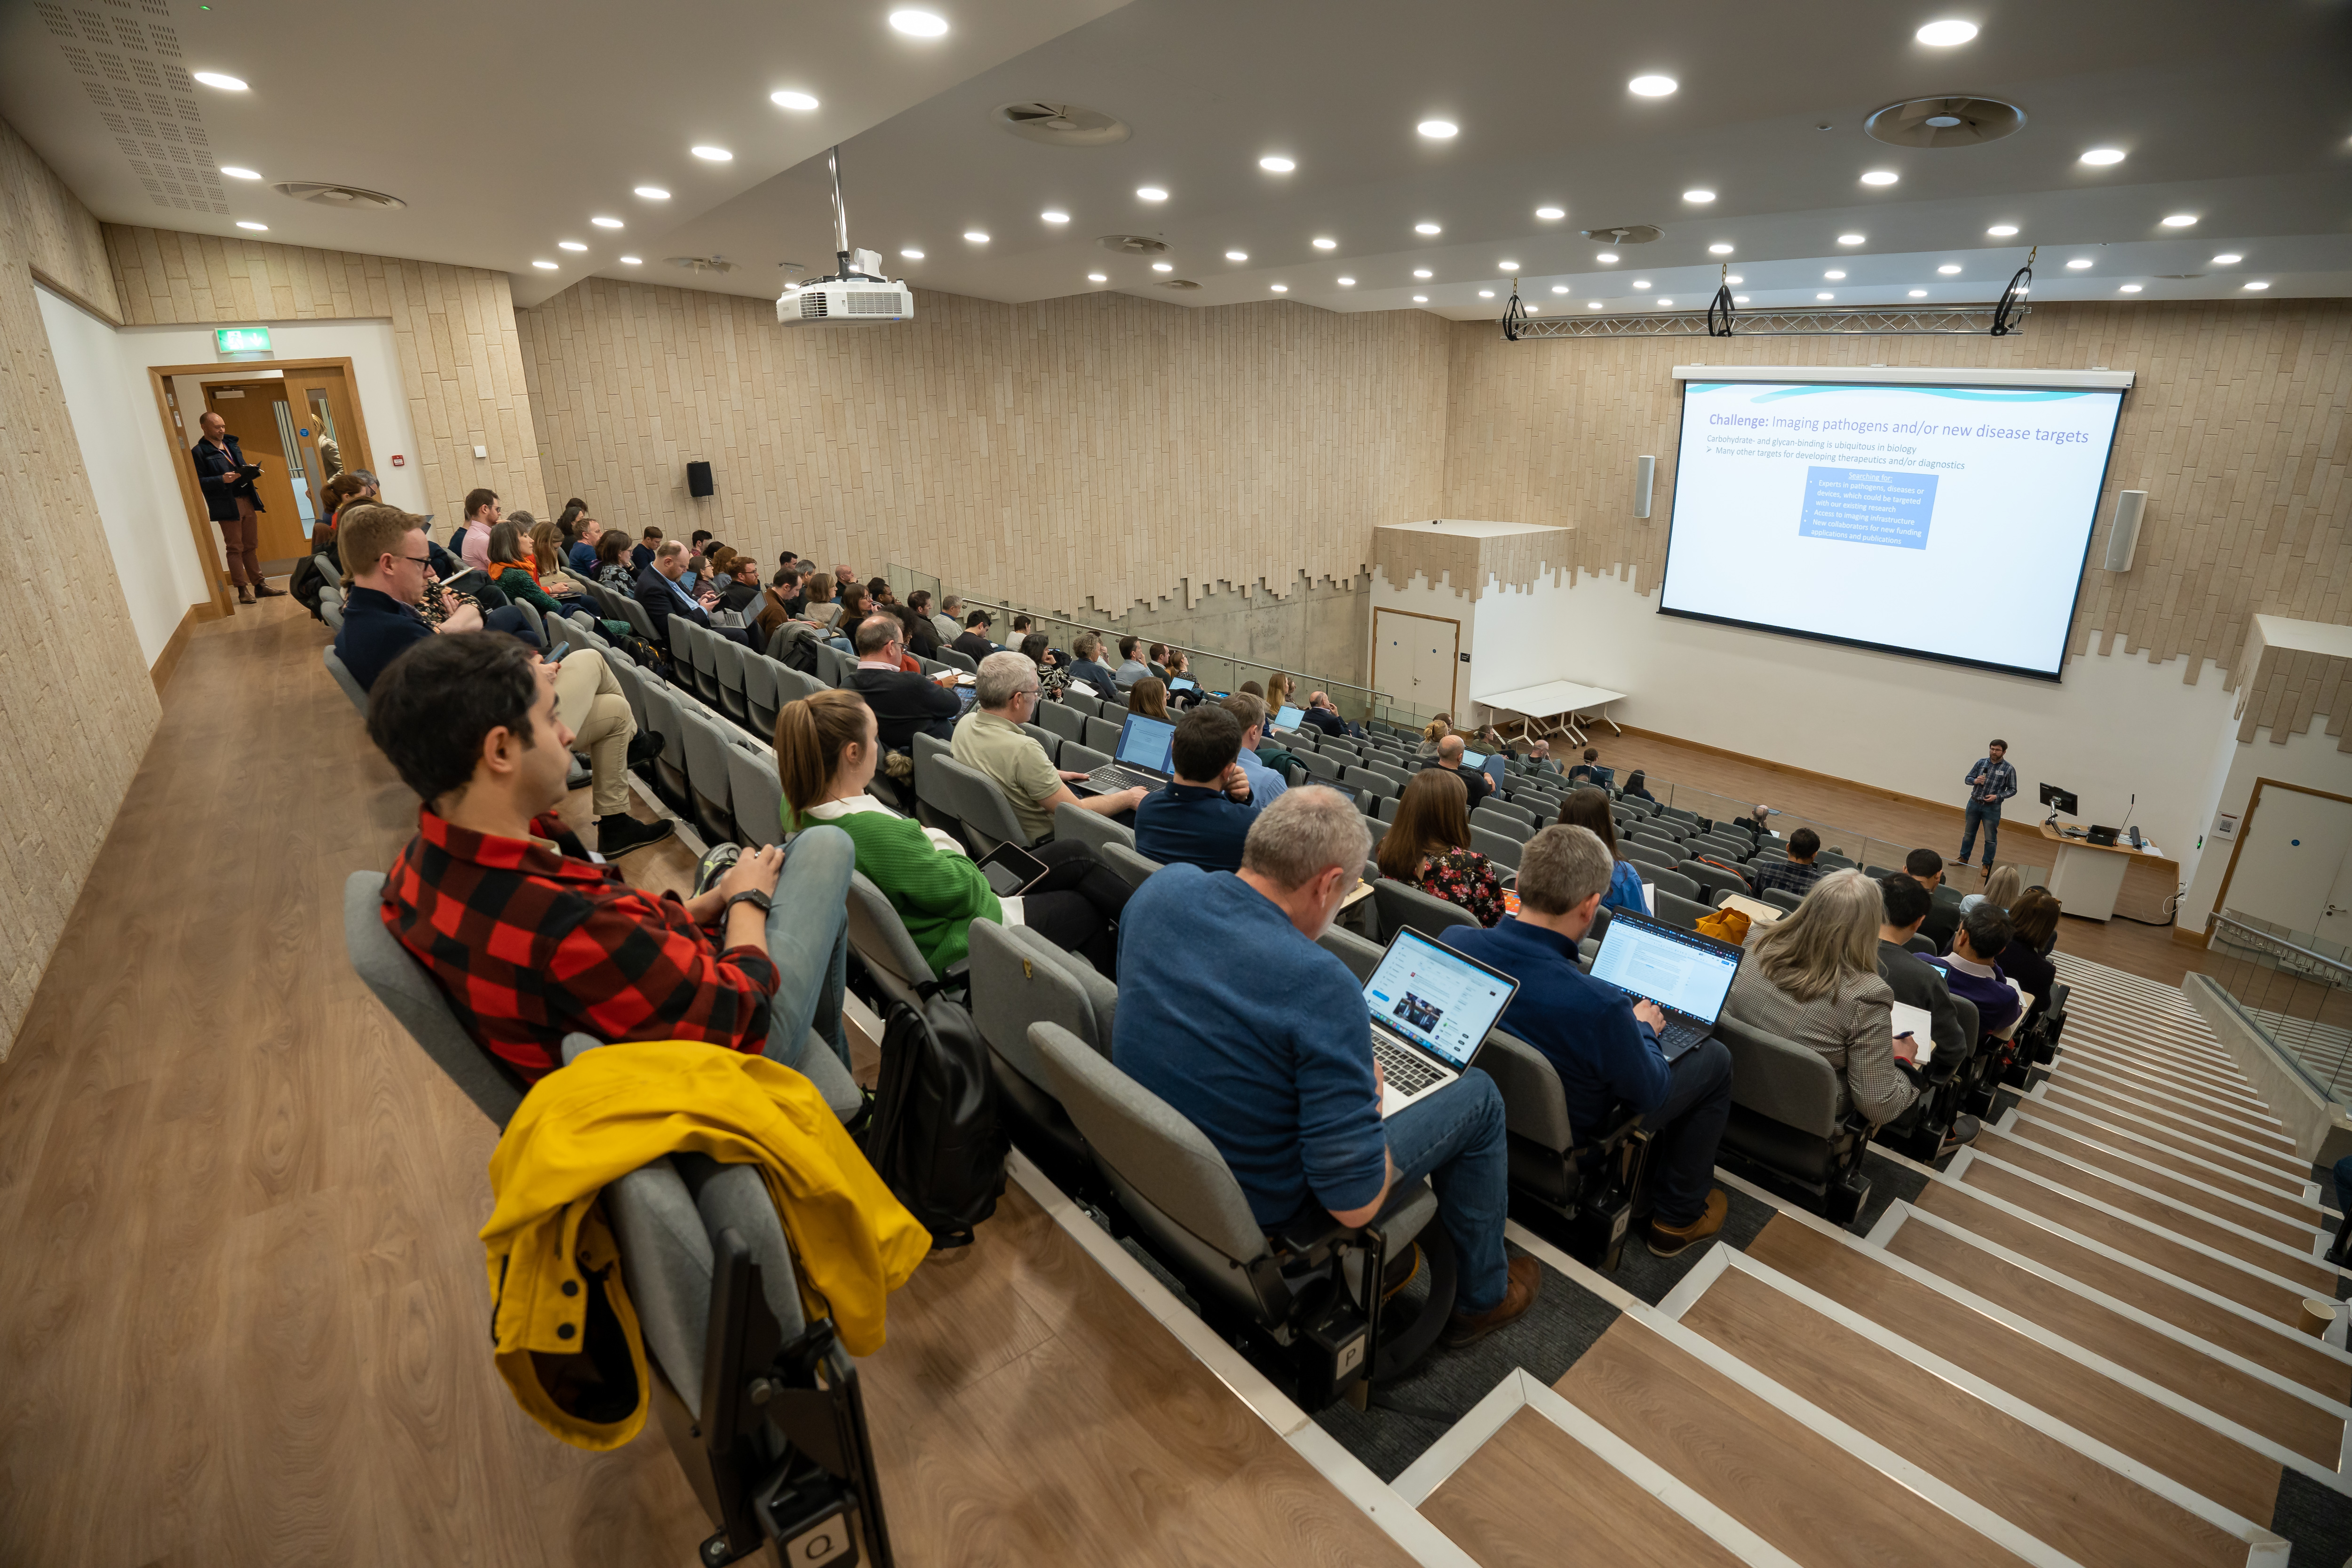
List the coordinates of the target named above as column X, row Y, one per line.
column 1010, row 870
column 1183, row 683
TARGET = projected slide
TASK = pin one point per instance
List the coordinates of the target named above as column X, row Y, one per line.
column 1949, row 521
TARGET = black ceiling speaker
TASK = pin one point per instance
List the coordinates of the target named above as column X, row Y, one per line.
column 698, row 479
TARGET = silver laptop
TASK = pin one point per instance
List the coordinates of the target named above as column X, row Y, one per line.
column 1686, row 975
column 1145, row 757
column 1431, row 1008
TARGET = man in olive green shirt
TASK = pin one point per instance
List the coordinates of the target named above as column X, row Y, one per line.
column 990, row 740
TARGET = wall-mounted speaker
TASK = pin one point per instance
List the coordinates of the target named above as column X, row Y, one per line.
column 698, row 479
column 2123, row 539
column 1646, row 473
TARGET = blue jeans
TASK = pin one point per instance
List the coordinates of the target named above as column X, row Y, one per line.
column 808, row 941
column 1456, row 1138
column 1688, row 1127
column 1989, row 815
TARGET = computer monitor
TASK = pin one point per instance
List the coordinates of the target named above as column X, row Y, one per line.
column 1148, row 742
column 1474, row 758
column 1288, row 718
column 2062, row 802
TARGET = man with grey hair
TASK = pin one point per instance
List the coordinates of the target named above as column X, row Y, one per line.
column 990, row 738
column 904, row 704
column 1261, row 1039
column 1602, row 1041
column 944, row 619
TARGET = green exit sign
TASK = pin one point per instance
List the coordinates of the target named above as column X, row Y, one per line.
column 242, row 340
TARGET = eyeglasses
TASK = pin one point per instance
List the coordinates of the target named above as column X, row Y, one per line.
column 416, row 560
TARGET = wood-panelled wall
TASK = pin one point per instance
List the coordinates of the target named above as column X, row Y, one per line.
column 1098, row 446
column 461, row 361
column 2237, row 427
column 77, row 704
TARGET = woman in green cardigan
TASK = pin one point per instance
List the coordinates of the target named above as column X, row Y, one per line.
column 825, row 753
column 510, row 571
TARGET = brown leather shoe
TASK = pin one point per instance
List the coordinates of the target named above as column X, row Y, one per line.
column 262, row 590
column 1525, row 1277
column 245, row 593
column 1665, row 1240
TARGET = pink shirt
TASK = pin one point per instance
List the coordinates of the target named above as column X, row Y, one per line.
column 475, row 548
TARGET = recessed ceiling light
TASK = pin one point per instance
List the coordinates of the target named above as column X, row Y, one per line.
column 1151, row 193
column 1277, row 165
column 1641, row 283
column 911, row 253
column 2129, row 288
column 1734, row 278
column 1279, row 288
column 1944, row 35
column 1698, row 195
column 1237, row 256
column 569, row 245
column 714, row 154
column 1427, row 228
column 256, row 227
column 1324, row 242
column 919, row 24
column 2228, row 258
column 2102, row 156
column 789, row 100
column 1834, row 277
column 1652, row 86
column 1948, row 268
column 1551, row 213
column 1485, row 293
column 1718, row 250
column 2001, row 230
column 1824, row 296
column 653, row 192
column 1054, row 217
column 1163, row 267
column 1423, row 272
column 1664, row 303
column 1509, row 266
column 2079, row 263
column 1438, row 130
column 215, row 79
column 1347, row 282
column 1421, row 299
column 1851, row 238
column 234, row 173
column 1881, row 177
column 607, row 222
column 546, row 266
column 1919, row 293
column 2181, row 220
column 1559, row 287
column 1739, row 299
column 2257, row 284
column 1606, row 256
column 633, row 261
column 1592, row 304
column 975, row 235
column 1533, row 308
column 1096, row 277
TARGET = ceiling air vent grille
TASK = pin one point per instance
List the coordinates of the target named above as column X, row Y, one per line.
column 1062, row 124
column 348, row 198
column 1958, row 122
column 1133, row 244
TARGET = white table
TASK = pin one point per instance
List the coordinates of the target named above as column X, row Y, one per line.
column 1556, row 708
column 2085, row 877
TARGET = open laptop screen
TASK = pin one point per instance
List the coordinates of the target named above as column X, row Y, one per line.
column 1288, row 718
column 1435, row 996
column 1147, row 742
column 1676, row 968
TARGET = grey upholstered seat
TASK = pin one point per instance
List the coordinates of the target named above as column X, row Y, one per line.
column 727, row 657
column 1509, row 824
column 759, row 691
column 1131, row 866
column 1402, row 905
column 1678, row 908
column 1072, row 820
column 707, row 745
column 1500, row 848
column 1018, row 978
column 1666, row 880
column 755, row 796
column 882, row 943
column 1102, row 734
column 1062, row 719
column 348, row 681
column 987, row 816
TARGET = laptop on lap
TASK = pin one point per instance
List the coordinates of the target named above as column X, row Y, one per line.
column 1688, row 975
column 1145, row 757
column 1431, row 1008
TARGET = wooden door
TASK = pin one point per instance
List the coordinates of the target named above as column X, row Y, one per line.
column 1415, row 657
column 330, row 438
column 250, row 409
column 2291, row 851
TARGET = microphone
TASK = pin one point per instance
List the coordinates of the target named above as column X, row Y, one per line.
column 2127, row 817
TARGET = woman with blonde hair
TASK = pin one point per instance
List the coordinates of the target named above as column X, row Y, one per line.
column 2000, row 890
column 1428, row 846
column 1149, row 697
column 1277, row 695
column 1439, row 727
column 1813, row 978
column 546, row 561
column 826, row 749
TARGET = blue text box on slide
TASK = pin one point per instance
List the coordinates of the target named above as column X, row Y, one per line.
column 1868, row 505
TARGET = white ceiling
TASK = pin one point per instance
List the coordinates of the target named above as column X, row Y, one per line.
column 519, row 121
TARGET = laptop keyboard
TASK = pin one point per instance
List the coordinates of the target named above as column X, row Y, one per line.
column 1681, row 1034
column 1111, row 778
column 1405, row 1073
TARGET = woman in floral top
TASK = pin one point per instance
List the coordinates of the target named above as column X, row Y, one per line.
column 1428, row 846
column 613, row 567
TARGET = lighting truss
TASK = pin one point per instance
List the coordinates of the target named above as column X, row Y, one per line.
column 1956, row 320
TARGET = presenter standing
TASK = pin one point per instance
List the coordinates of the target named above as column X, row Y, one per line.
column 1990, row 782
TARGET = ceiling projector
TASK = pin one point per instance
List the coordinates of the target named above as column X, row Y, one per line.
column 857, row 291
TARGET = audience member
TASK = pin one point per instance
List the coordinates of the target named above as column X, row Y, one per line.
column 1637, row 787
column 1130, row 668
column 231, row 501
column 641, row 555
column 1428, row 846
column 878, row 591
column 948, row 621
column 1603, row 1042
column 611, row 570
column 1323, row 716
column 923, row 637
column 826, row 748
column 1798, row 873
column 856, row 606
column 384, row 559
column 818, row 608
column 789, row 590
column 1449, row 756
column 739, row 592
column 990, row 739
column 843, row 577
column 1437, row 730
column 973, row 643
column 1086, row 664
column 1149, row 697
column 1277, row 694
column 1266, row 785
column 583, row 553
column 1260, row 1042
column 1158, row 659
column 2000, row 890
column 1587, row 807
column 509, row 569
column 1926, row 868
column 1972, row 968
column 546, row 561
column 920, row 601
column 1757, row 822
column 481, row 516
column 904, row 705
column 1539, row 757
column 1812, row 978
column 1914, row 982
column 1588, row 771
column 1200, row 817
column 659, row 592
column 1052, row 679
column 2033, row 931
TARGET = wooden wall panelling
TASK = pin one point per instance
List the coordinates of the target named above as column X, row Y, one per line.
column 461, row 363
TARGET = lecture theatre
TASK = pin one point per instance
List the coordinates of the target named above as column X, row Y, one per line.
column 957, row 782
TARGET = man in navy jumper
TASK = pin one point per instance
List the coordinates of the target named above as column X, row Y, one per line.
column 1262, row 1041
column 1602, row 1041
column 1202, row 816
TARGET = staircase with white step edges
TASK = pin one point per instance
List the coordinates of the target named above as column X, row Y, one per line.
column 2078, row 1343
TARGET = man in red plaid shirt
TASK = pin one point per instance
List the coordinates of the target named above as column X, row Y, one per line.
column 533, row 938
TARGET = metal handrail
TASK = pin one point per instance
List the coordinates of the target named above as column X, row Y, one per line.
column 2220, row 918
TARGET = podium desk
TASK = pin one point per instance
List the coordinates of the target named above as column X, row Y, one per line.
column 2086, row 876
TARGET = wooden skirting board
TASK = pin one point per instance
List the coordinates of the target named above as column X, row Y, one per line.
column 169, row 660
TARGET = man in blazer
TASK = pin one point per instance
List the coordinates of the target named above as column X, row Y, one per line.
column 230, row 499
column 662, row 595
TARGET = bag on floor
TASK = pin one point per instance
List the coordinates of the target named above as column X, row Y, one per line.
column 304, row 583
column 934, row 1139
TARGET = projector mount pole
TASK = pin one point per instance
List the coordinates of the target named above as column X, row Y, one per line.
column 840, row 218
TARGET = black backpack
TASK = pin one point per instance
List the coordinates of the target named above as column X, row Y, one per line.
column 304, row 583
column 800, row 654
column 934, row 1139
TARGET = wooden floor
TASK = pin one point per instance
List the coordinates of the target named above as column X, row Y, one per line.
column 241, row 1301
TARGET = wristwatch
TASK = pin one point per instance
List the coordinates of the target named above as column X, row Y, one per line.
column 751, row 896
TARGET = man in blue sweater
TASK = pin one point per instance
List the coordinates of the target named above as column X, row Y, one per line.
column 1261, row 1039
column 1602, row 1041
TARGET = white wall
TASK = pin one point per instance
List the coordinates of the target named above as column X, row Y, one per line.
column 139, row 503
column 2309, row 759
